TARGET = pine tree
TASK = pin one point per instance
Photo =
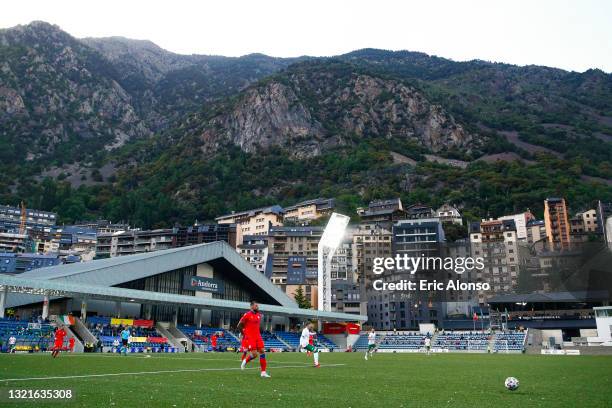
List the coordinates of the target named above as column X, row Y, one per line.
column 302, row 301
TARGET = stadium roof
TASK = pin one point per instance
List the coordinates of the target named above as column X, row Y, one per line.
column 98, row 278
column 115, row 271
column 36, row 287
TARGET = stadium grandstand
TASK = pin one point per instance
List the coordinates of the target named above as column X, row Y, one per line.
column 171, row 300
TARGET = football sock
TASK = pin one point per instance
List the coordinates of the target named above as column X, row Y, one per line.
column 316, row 357
column 262, row 361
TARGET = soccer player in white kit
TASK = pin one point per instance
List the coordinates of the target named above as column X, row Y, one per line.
column 371, row 343
column 305, row 343
column 427, row 344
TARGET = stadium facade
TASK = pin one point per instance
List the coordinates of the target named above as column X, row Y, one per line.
column 206, row 284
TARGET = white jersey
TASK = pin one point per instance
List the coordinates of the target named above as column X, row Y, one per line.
column 305, row 337
column 371, row 338
column 427, row 342
column 12, row 340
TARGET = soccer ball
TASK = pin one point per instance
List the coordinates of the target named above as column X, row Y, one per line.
column 511, row 383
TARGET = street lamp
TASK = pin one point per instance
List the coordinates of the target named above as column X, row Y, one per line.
column 330, row 241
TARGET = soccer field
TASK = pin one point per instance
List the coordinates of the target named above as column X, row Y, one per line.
column 344, row 380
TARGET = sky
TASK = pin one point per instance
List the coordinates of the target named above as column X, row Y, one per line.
column 573, row 35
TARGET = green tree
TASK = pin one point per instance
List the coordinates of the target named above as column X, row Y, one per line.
column 301, row 299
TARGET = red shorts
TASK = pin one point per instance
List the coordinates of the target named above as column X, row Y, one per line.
column 255, row 343
column 58, row 345
column 244, row 344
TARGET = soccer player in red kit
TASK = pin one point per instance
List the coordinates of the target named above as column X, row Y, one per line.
column 71, row 344
column 213, row 341
column 58, row 342
column 249, row 326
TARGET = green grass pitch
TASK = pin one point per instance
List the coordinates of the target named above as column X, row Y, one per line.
column 344, row 380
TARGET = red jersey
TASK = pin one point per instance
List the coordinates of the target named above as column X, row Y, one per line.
column 311, row 340
column 213, row 340
column 59, row 335
column 250, row 325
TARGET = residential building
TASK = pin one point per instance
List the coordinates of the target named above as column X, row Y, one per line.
column 383, row 212
column 589, row 220
column 35, row 220
column 104, row 226
column 520, row 221
column 254, row 249
column 253, row 222
column 370, row 241
column 204, row 233
column 13, row 242
column 557, row 223
column 536, row 231
column 418, row 237
column 342, row 262
column 289, row 247
column 495, row 241
column 309, row 210
column 134, row 242
column 346, row 297
column 449, row 214
column 417, row 211
column 577, row 230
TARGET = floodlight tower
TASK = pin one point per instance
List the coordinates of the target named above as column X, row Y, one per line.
column 330, row 240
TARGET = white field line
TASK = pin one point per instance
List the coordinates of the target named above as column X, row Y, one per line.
column 192, row 370
column 137, row 355
column 162, row 357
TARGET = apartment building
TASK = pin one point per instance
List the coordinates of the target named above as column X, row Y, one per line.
column 291, row 242
column 520, row 221
column 536, row 231
column 253, row 222
column 309, row 210
column 449, row 214
column 383, row 212
column 134, row 242
column 204, row 233
column 556, row 221
column 495, row 241
column 35, row 220
column 254, row 249
column 590, row 222
column 418, row 237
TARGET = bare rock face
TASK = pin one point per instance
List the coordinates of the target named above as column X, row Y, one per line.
column 306, row 112
column 267, row 116
column 56, row 91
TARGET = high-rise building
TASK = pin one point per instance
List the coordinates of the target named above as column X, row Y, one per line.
column 557, row 223
column 495, row 241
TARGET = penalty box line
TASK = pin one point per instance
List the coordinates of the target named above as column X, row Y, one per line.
column 188, row 370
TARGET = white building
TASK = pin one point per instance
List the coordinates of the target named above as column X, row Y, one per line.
column 448, row 213
column 520, row 221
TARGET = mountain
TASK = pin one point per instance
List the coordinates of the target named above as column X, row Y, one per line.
column 123, row 129
column 317, row 105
